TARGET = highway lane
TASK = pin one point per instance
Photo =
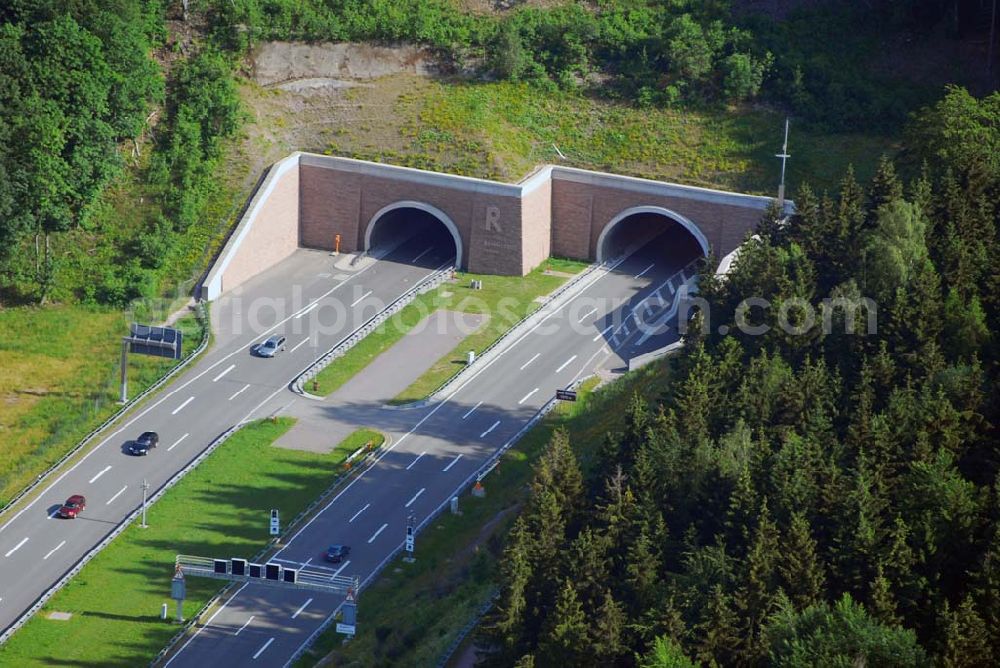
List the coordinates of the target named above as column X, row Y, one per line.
column 307, row 298
column 444, row 444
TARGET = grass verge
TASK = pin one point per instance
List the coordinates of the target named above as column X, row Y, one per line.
column 219, row 509
column 503, row 299
column 413, row 612
column 59, row 378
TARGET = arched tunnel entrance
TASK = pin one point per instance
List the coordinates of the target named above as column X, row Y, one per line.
column 415, row 233
column 653, row 232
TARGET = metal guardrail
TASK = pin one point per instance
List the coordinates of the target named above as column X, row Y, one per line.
column 476, row 475
column 203, row 316
column 115, row 533
column 428, row 283
column 467, row 629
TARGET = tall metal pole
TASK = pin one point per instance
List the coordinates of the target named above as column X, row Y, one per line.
column 145, row 486
column 123, row 397
column 784, row 156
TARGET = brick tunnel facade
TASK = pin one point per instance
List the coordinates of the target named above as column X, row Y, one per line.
column 310, row 200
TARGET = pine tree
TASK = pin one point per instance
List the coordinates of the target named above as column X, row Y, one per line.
column 800, row 567
column 718, row 632
column 965, row 638
column 608, row 631
column 666, row 653
column 564, row 641
column 885, row 186
column 505, row 624
column 756, row 599
column 883, row 604
column 642, row 573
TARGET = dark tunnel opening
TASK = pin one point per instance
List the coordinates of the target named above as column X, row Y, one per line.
column 412, row 235
column 654, row 234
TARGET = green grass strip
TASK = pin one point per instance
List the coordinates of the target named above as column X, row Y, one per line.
column 220, row 509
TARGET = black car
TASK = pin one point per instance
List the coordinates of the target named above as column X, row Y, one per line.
column 141, row 446
column 337, row 553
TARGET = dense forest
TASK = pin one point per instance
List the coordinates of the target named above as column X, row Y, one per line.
column 79, row 92
column 88, row 88
column 801, row 496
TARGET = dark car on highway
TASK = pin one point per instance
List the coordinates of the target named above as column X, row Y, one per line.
column 336, row 553
column 141, row 446
column 270, row 347
column 74, row 506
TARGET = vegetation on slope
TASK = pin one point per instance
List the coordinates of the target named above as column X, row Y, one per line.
column 821, row 497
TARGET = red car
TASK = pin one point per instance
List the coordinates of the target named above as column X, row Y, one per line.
column 74, row 506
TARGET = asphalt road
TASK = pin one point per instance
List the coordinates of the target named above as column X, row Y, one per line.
column 433, row 451
column 308, row 299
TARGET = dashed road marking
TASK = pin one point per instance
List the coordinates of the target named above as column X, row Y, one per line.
column 494, row 426
column 416, row 460
column 261, row 650
column 239, row 391
column 525, row 398
column 358, row 300
column 358, row 513
column 375, row 535
column 228, row 369
column 102, row 472
column 52, row 551
column 17, row 547
column 120, row 492
column 245, row 624
column 566, row 364
column 299, row 611
column 537, row 355
column 415, row 496
column 181, row 407
column 472, row 409
column 177, row 442
column 452, row 463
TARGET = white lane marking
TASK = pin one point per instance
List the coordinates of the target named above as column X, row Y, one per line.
column 261, row 650
column 358, row 513
column 566, row 364
column 416, row 460
column 410, row 502
column 120, row 492
column 239, row 391
column 214, row 615
column 452, row 463
column 606, row 330
column 306, row 310
column 239, row 349
column 375, row 535
column 299, row 345
column 426, row 251
column 177, row 442
column 52, row 551
column 605, row 272
column 307, row 562
column 494, row 426
column 588, row 314
column 342, row 567
column 472, row 409
column 228, row 369
column 102, row 472
column 245, row 624
column 299, row 611
column 23, row 541
column 525, row 397
column 181, row 407
column 524, row 366
column 641, row 273
column 358, row 300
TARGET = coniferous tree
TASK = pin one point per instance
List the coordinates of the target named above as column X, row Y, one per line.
column 564, row 641
column 799, row 565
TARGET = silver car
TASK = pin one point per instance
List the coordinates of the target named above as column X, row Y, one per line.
column 270, row 347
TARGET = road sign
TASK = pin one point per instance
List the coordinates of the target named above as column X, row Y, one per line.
column 565, row 395
column 156, row 341
column 275, row 523
column 346, row 629
column 409, row 539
